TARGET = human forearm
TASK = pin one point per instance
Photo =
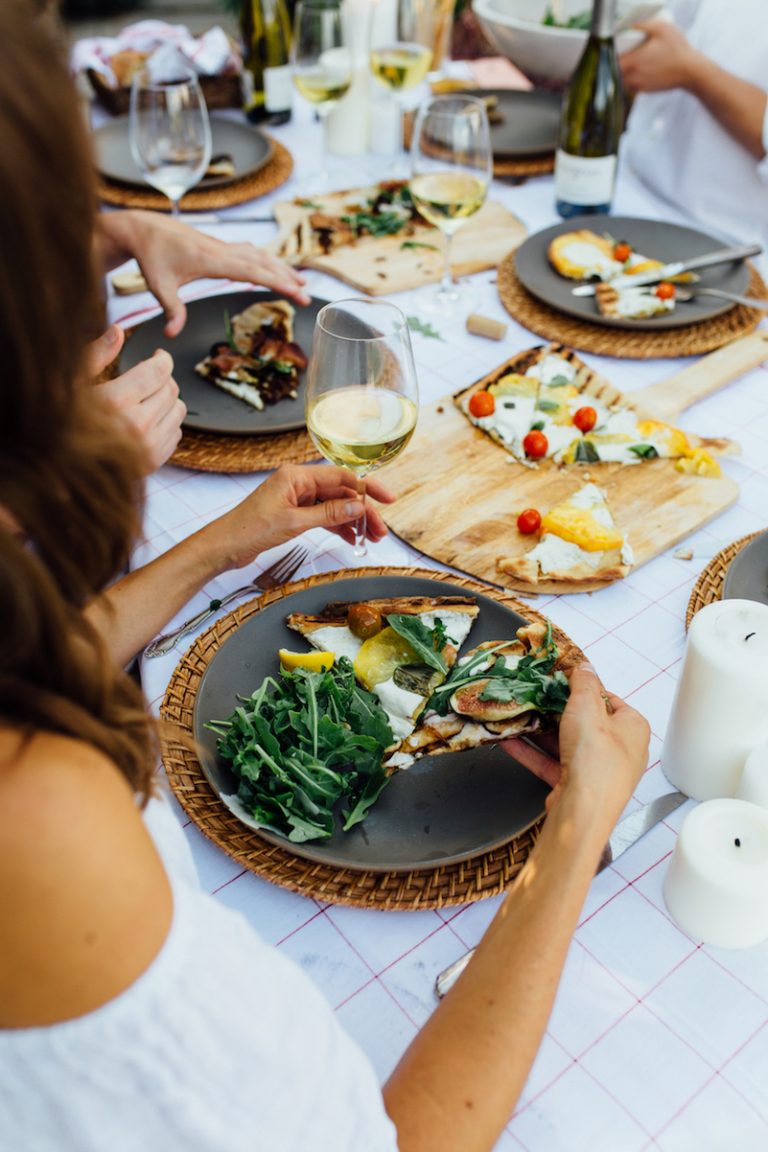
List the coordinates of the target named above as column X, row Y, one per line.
column 458, row 1083
column 736, row 104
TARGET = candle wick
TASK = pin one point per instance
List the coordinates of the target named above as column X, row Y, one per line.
column 737, row 842
column 750, row 635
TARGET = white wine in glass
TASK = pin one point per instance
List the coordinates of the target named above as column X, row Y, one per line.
column 452, row 164
column 169, row 132
column 321, row 62
column 362, row 395
column 400, row 65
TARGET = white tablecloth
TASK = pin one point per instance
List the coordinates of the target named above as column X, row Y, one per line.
column 655, row 1041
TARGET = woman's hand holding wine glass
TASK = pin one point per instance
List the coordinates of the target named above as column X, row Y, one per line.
column 362, row 395
column 452, row 164
column 169, row 132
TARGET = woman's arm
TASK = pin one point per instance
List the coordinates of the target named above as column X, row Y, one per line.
column 458, row 1083
column 289, row 502
column 666, row 60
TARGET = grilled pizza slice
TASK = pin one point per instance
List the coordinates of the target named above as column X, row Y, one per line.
column 401, row 648
column 633, row 303
column 579, row 542
column 259, row 362
column 498, row 690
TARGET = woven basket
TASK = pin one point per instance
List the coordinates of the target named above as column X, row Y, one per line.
column 219, row 91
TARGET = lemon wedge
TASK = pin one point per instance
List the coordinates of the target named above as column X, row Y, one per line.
column 380, row 655
column 311, row 661
column 698, row 462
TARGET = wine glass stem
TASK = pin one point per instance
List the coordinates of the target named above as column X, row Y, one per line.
column 360, row 547
column 446, row 284
column 174, row 207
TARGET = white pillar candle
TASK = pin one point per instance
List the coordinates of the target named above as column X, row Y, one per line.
column 386, row 127
column 716, row 886
column 346, row 125
column 720, row 710
column 753, row 785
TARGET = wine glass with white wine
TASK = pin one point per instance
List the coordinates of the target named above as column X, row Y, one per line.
column 452, row 165
column 169, row 131
column 321, row 61
column 362, row 395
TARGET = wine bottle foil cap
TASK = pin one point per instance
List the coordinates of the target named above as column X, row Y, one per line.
column 603, row 18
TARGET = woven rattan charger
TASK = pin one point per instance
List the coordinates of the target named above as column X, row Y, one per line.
column 709, row 586
column 484, row 875
column 517, row 169
column 691, row 340
column 271, row 176
column 214, row 452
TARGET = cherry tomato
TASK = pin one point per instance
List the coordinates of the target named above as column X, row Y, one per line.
column 482, row 404
column 585, row 419
column 529, row 522
column 622, row 252
column 665, row 291
column 535, row 444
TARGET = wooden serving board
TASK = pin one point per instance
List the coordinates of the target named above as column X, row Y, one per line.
column 459, row 493
column 381, row 265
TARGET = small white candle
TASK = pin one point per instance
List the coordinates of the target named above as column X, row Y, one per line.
column 716, row 886
column 386, row 127
column 753, row 785
column 720, row 710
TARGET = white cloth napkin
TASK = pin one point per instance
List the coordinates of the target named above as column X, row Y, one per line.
column 209, row 55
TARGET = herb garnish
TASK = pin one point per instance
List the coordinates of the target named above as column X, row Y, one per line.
column 228, row 333
column 300, row 744
column 423, row 328
column 586, row 453
column 418, row 244
column 547, row 405
column 427, row 643
column 644, row 451
column 558, row 381
column 309, row 204
column 376, row 223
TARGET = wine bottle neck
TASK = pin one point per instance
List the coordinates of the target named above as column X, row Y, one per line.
column 603, row 18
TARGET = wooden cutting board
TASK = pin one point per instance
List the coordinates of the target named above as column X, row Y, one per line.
column 459, row 493
column 382, row 265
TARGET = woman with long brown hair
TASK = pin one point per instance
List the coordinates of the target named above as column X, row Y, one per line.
column 136, row 1012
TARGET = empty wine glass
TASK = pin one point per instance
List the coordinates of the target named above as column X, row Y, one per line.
column 169, row 132
column 451, row 170
column 362, row 396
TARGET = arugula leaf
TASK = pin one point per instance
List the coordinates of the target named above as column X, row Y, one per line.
column 376, row 223
column 423, row 328
column 423, row 640
column 228, row 333
column 538, row 426
column 586, row 453
column 418, row 244
column 644, row 451
column 302, row 743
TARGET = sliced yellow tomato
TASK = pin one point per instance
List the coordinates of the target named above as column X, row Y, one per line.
column 378, row 657
column 675, row 440
column 698, row 462
column 513, row 384
column 311, row 661
column 579, row 254
column 579, row 526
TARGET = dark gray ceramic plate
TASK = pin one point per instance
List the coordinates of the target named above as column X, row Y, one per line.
column 747, row 575
column 655, row 239
column 210, row 409
column 529, row 124
column 444, row 809
column 249, row 148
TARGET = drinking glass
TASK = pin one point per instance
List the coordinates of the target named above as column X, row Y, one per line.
column 451, row 164
column 321, row 61
column 362, row 397
column 169, row 132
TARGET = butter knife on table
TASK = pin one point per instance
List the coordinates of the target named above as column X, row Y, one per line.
column 668, row 271
column 626, row 833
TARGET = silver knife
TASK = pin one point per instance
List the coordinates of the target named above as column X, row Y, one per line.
column 626, row 833
column 667, row 271
column 215, row 218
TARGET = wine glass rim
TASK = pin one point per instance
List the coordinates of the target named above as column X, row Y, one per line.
column 453, row 98
column 401, row 323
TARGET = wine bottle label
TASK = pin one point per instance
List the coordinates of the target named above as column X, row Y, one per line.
column 584, row 180
column 278, row 88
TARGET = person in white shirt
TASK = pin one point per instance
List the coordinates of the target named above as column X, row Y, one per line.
column 136, row 1013
column 697, row 134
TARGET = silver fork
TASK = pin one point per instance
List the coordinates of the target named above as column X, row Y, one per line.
column 278, row 573
column 685, row 294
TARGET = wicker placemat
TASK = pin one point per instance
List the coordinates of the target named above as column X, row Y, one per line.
column 691, row 340
column 514, row 168
column 271, row 176
column 709, row 586
column 212, row 452
column 484, row 875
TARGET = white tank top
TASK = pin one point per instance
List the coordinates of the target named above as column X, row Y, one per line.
column 222, row 1045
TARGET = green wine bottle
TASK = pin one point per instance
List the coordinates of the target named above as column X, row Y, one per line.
column 266, row 32
column 591, row 122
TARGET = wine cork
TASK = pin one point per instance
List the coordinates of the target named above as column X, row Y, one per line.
column 485, row 326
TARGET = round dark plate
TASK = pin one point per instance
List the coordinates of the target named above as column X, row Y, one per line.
column 209, row 408
column 444, row 809
column 747, row 575
column 529, row 124
column 656, row 240
column 249, row 148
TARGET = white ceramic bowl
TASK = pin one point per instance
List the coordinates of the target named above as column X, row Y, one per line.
column 543, row 53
